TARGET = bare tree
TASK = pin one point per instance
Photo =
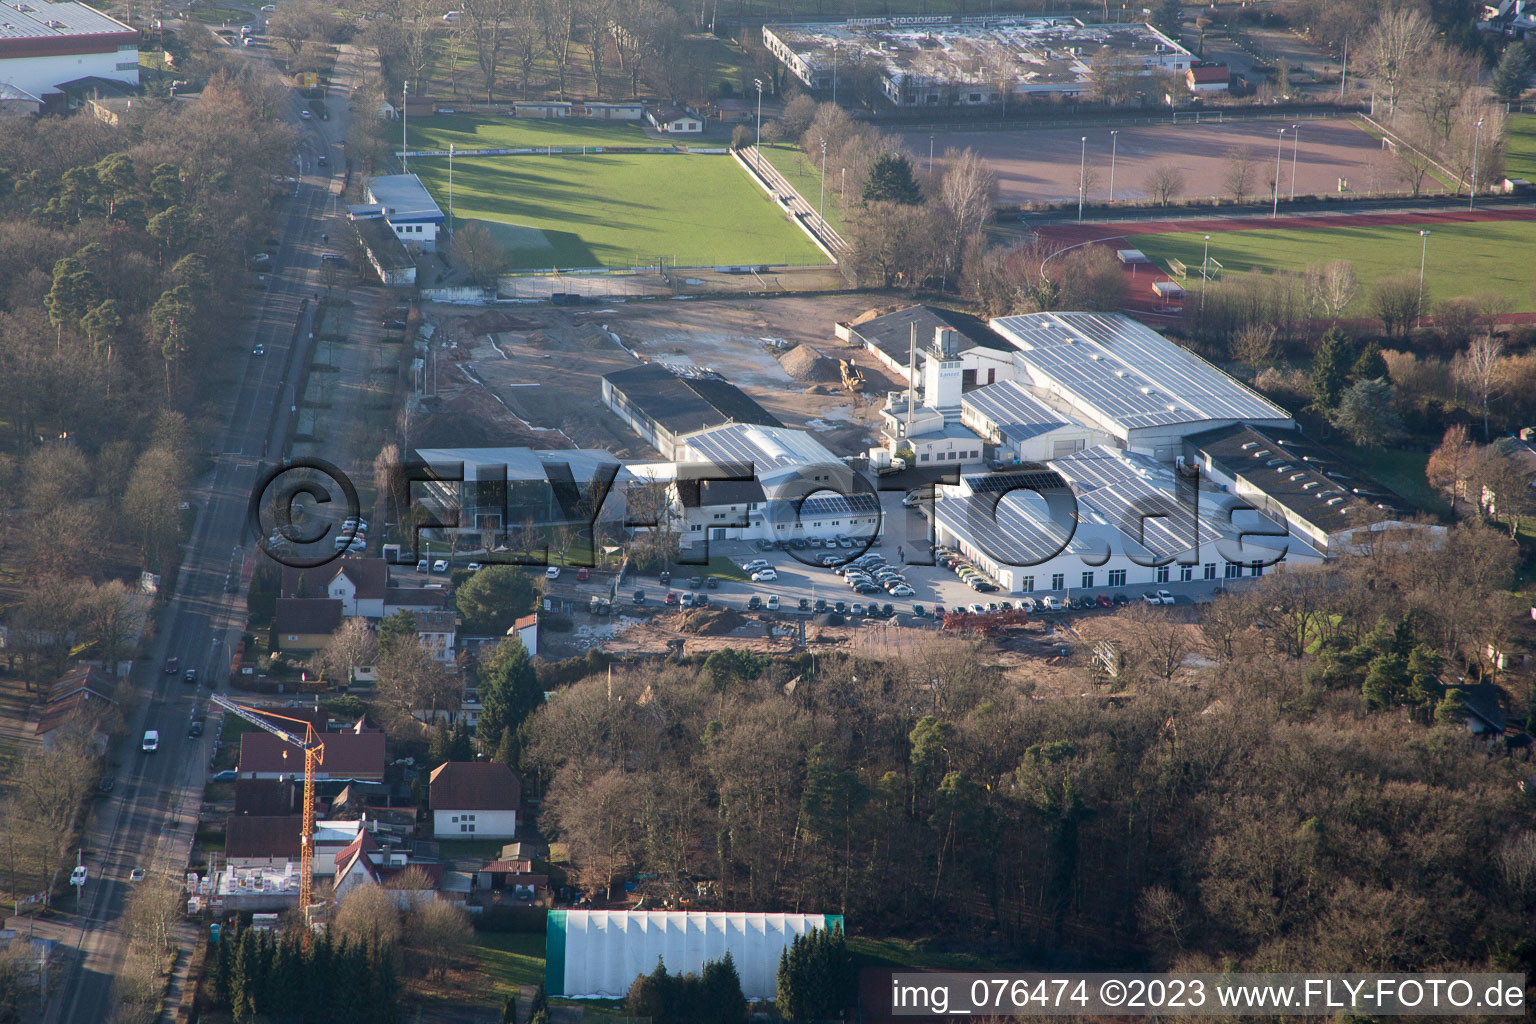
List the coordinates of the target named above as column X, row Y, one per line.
column 968, row 194
column 440, row 933
column 368, row 914
column 1164, row 183
column 352, row 645
column 1157, row 643
column 486, row 23
column 1238, row 175
column 1502, row 483
column 1331, row 287
column 1477, row 369
column 154, row 908
column 479, row 254
column 410, row 680
column 1393, row 50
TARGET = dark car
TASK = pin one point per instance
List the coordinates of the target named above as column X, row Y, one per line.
column 820, row 605
column 322, row 161
column 106, row 784
column 172, row 666
column 392, row 325
column 887, row 610
column 666, row 579
column 938, row 611
column 754, row 602
column 701, row 600
column 195, row 729
column 711, row 583
column 697, row 583
column 839, row 607
column 797, row 543
column 805, row 604
column 189, row 677
column 1121, row 600
column 639, row 597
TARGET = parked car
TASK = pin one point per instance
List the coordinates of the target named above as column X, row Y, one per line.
column 422, row 565
column 552, row 573
column 1165, row 597
column 798, row 543
column 701, row 600
column 697, row 583
column 711, row 583
column 938, row 611
column 901, row 590
column 977, row 609
column 918, row 611
column 820, row 605
column 887, row 609
column 1103, row 601
column 473, row 567
column 670, row 599
column 1028, row 604
column 814, row 542
column 639, row 597
column 773, row 602
column 1120, row 600
column 440, row 566
column 764, row 576
column 687, row 601
column 839, row 607
column 805, row 604
column 1050, row 604
column 189, row 677
column 857, row 609
column 754, row 565
column 665, row 578
column 1151, row 598
column 754, row 602
column 106, row 784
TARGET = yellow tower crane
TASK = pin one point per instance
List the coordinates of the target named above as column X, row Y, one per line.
column 314, row 753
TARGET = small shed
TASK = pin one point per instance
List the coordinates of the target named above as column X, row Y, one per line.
column 1167, row 290
column 675, row 121
column 1131, row 257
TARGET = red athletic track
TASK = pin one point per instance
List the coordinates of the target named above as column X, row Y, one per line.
column 1072, row 234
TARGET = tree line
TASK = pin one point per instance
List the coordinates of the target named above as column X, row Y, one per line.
column 1268, row 810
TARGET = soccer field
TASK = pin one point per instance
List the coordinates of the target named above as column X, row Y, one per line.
column 476, row 131
column 1462, row 259
column 619, row 210
column 1520, row 153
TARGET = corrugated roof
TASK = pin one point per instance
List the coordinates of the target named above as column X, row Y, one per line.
column 761, row 447
column 891, row 333
column 1129, row 373
column 682, row 405
column 40, row 19
column 404, row 198
column 1018, row 415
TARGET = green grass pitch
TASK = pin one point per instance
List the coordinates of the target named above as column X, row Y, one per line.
column 620, row 210
column 475, row 131
column 1463, row 259
column 1520, row 151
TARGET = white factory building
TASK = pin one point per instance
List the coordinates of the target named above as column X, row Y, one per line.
column 46, row 45
column 1103, row 519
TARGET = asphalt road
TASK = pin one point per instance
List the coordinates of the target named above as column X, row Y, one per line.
column 149, row 819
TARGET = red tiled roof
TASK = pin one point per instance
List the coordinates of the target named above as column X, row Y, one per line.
column 472, row 786
column 433, row 871
column 79, row 705
column 83, row 677
column 509, row 866
column 348, row 755
column 531, row 619
column 1210, row 73
column 306, row 616
column 369, row 575
column 262, row 835
column 265, row 797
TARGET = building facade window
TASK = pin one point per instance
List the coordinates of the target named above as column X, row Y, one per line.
column 1058, row 581
column 1087, row 580
column 1027, row 584
column 1210, row 570
column 1162, row 574
column 1186, row 573
column 1257, row 570
column 1117, row 577
column 1232, row 571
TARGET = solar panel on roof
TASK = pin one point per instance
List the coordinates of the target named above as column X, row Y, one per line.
column 1001, row 483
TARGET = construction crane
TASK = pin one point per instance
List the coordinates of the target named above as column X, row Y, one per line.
column 314, row 753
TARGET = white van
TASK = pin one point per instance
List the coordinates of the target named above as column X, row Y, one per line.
column 151, row 741
column 452, row 16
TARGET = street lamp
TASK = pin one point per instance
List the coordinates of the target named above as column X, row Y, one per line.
column 1472, row 194
column 1279, row 145
column 821, row 208
column 1295, row 145
column 757, row 148
column 1423, row 254
column 1082, row 178
column 405, row 149
column 1114, row 143
column 450, row 192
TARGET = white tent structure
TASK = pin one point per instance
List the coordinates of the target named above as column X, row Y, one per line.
column 596, row 954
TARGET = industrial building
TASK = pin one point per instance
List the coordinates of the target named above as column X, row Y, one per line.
column 406, row 206
column 932, row 433
column 489, row 491
column 44, row 46
column 665, row 405
column 985, row 356
column 1119, row 377
column 597, row 954
column 970, row 61
column 1021, row 427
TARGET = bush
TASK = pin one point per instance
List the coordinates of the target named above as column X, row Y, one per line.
column 741, row 137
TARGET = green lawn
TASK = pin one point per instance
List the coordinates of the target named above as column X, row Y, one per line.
column 1520, row 152
column 510, row 959
column 619, row 210
column 476, row 131
column 792, row 162
column 1463, row 259
column 1403, row 471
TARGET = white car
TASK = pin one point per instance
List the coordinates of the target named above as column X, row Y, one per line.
column 151, row 741
column 474, row 567
column 440, row 566
column 901, row 590
column 77, row 876
column 136, row 875
column 552, row 573
column 977, row 609
column 1050, row 604
column 1165, row 597
column 764, row 576
column 755, row 565
column 306, row 115
column 773, row 603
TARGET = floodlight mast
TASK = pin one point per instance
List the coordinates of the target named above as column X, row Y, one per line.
column 314, row 753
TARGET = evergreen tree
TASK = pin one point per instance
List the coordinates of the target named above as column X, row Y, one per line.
column 462, row 748
column 891, row 181
column 1452, row 709
column 1512, row 73
column 441, row 748
column 242, row 976
column 509, row 689
column 540, row 1003
column 1370, row 365
column 509, row 1010
column 1386, row 684
column 506, row 750
column 221, row 957
column 720, row 997
column 1329, row 370
column 815, row 976
column 647, row 995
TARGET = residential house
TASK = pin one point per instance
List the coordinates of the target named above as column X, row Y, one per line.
column 348, row 755
column 360, row 584
column 272, row 841
column 84, row 700
column 473, row 800
column 1208, row 77
column 514, row 878
column 303, row 625
column 526, row 629
column 437, row 631
column 365, row 862
column 415, row 599
column 675, row 120
column 267, row 798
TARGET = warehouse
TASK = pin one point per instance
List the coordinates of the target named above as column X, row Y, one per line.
column 1112, row 374
column 491, row 491
column 1023, row 428
column 1103, row 520
column 985, row 357
column 597, row 954
column 944, row 60
column 666, row 405
column 44, row 45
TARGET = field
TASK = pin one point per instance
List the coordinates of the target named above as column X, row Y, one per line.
column 1520, row 155
column 1042, row 165
column 619, row 210
column 475, row 131
column 1463, row 258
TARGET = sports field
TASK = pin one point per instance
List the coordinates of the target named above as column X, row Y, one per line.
column 1462, row 258
column 619, row 210
column 1520, row 152
column 805, row 176
column 477, row 131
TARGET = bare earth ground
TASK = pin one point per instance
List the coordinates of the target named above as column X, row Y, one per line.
column 1041, row 165
column 531, row 375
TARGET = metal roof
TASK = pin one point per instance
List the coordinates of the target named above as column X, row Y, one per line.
column 762, row 447
column 1016, row 414
column 1129, row 373
column 1018, row 529
column 404, row 197
column 39, row 19
column 892, row 332
column 683, row 404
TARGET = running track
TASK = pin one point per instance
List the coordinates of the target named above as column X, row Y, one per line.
column 1074, row 234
